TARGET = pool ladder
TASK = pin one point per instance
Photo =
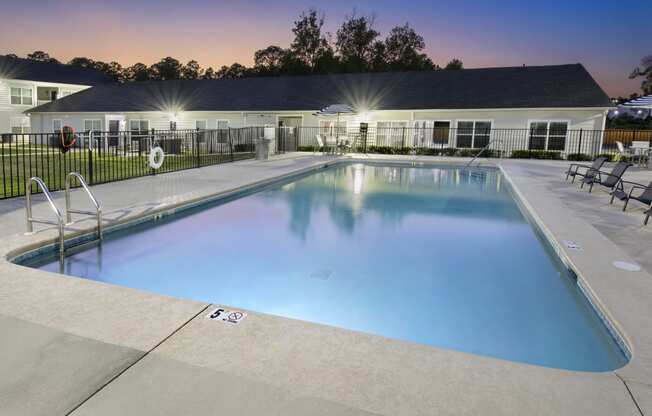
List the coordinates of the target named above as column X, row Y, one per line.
column 59, row 219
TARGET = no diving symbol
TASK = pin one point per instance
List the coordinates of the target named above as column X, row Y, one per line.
column 231, row 317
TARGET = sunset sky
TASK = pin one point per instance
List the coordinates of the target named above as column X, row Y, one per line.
column 608, row 37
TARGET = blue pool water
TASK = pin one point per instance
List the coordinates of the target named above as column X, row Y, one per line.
column 439, row 256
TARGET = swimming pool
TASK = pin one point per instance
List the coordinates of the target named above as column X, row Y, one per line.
column 441, row 256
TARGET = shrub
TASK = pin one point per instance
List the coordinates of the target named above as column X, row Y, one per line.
column 536, row 154
column 389, row 150
column 579, row 157
column 307, row 148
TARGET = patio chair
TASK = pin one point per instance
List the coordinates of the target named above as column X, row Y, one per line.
column 611, row 180
column 574, row 169
column 343, row 144
column 623, row 154
column 320, row 144
column 644, row 197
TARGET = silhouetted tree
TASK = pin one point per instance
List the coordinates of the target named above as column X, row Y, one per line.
column 403, row 48
column 269, row 61
column 309, row 42
column 236, row 70
column 137, row 72
column 454, row 64
column 82, row 62
column 355, row 42
column 41, row 57
column 191, row 70
column 378, row 60
column 166, row 68
column 209, row 73
column 645, row 71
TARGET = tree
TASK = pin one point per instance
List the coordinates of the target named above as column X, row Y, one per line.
column 309, row 42
column 645, row 71
column 137, row 72
column 355, row 42
column 82, row 62
column 378, row 60
column 403, row 48
column 236, row 70
column 41, row 57
column 11, row 55
column 454, row 64
column 191, row 70
column 269, row 61
column 165, row 69
column 209, row 73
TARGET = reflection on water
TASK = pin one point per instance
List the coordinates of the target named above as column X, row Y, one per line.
column 392, row 192
column 439, row 256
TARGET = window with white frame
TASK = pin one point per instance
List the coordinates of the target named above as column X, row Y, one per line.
column 222, row 124
column 94, row 124
column 201, row 124
column 57, row 125
column 19, row 125
column 139, row 126
column 391, row 133
column 21, row 96
column 473, row 134
column 548, row 135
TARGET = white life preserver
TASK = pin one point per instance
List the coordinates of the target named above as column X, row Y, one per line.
column 156, row 157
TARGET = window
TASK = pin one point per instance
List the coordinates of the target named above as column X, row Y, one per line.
column 332, row 127
column 548, row 135
column 95, row 125
column 56, row 125
column 428, row 132
column 139, row 126
column 222, row 124
column 21, row 96
column 200, row 124
column 173, row 125
column 19, row 125
column 473, row 134
column 391, row 133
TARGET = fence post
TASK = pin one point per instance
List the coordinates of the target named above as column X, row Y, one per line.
column 579, row 145
column 230, row 145
column 195, row 138
column 91, row 179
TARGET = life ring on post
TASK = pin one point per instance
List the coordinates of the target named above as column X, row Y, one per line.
column 156, row 157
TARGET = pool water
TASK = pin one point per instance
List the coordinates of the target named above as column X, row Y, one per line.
column 441, row 256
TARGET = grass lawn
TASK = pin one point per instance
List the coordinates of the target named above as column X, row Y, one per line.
column 21, row 162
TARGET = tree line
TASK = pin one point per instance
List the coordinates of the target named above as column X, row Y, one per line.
column 356, row 47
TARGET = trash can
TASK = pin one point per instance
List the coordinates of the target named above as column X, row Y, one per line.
column 263, row 148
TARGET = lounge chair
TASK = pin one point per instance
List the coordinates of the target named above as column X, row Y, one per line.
column 644, row 197
column 574, row 169
column 611, row 180
column 320, row 144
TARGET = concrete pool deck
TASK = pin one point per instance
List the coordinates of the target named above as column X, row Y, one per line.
column 74, row 346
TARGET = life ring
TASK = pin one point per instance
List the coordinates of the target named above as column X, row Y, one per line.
column 156, row 157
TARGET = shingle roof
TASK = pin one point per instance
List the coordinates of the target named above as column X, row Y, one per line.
column 512, row 87
column 28, row 70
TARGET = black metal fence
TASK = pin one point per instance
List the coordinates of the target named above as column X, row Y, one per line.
column 542, row 143
column 112, row 156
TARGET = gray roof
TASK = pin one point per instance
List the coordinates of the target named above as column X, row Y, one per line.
column 29, row 70
column 512, row 87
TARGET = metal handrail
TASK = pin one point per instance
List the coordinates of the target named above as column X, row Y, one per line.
column 28, row 208
column 69, row 210
column 481, row 151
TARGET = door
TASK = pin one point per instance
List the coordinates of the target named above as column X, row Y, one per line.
column 114, row 132
column 289, row 133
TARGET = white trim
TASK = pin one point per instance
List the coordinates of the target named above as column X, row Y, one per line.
column 205, row 120
column 21, row 87
column 91, row 120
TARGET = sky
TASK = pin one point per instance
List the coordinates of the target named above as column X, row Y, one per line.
column 608, row 37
